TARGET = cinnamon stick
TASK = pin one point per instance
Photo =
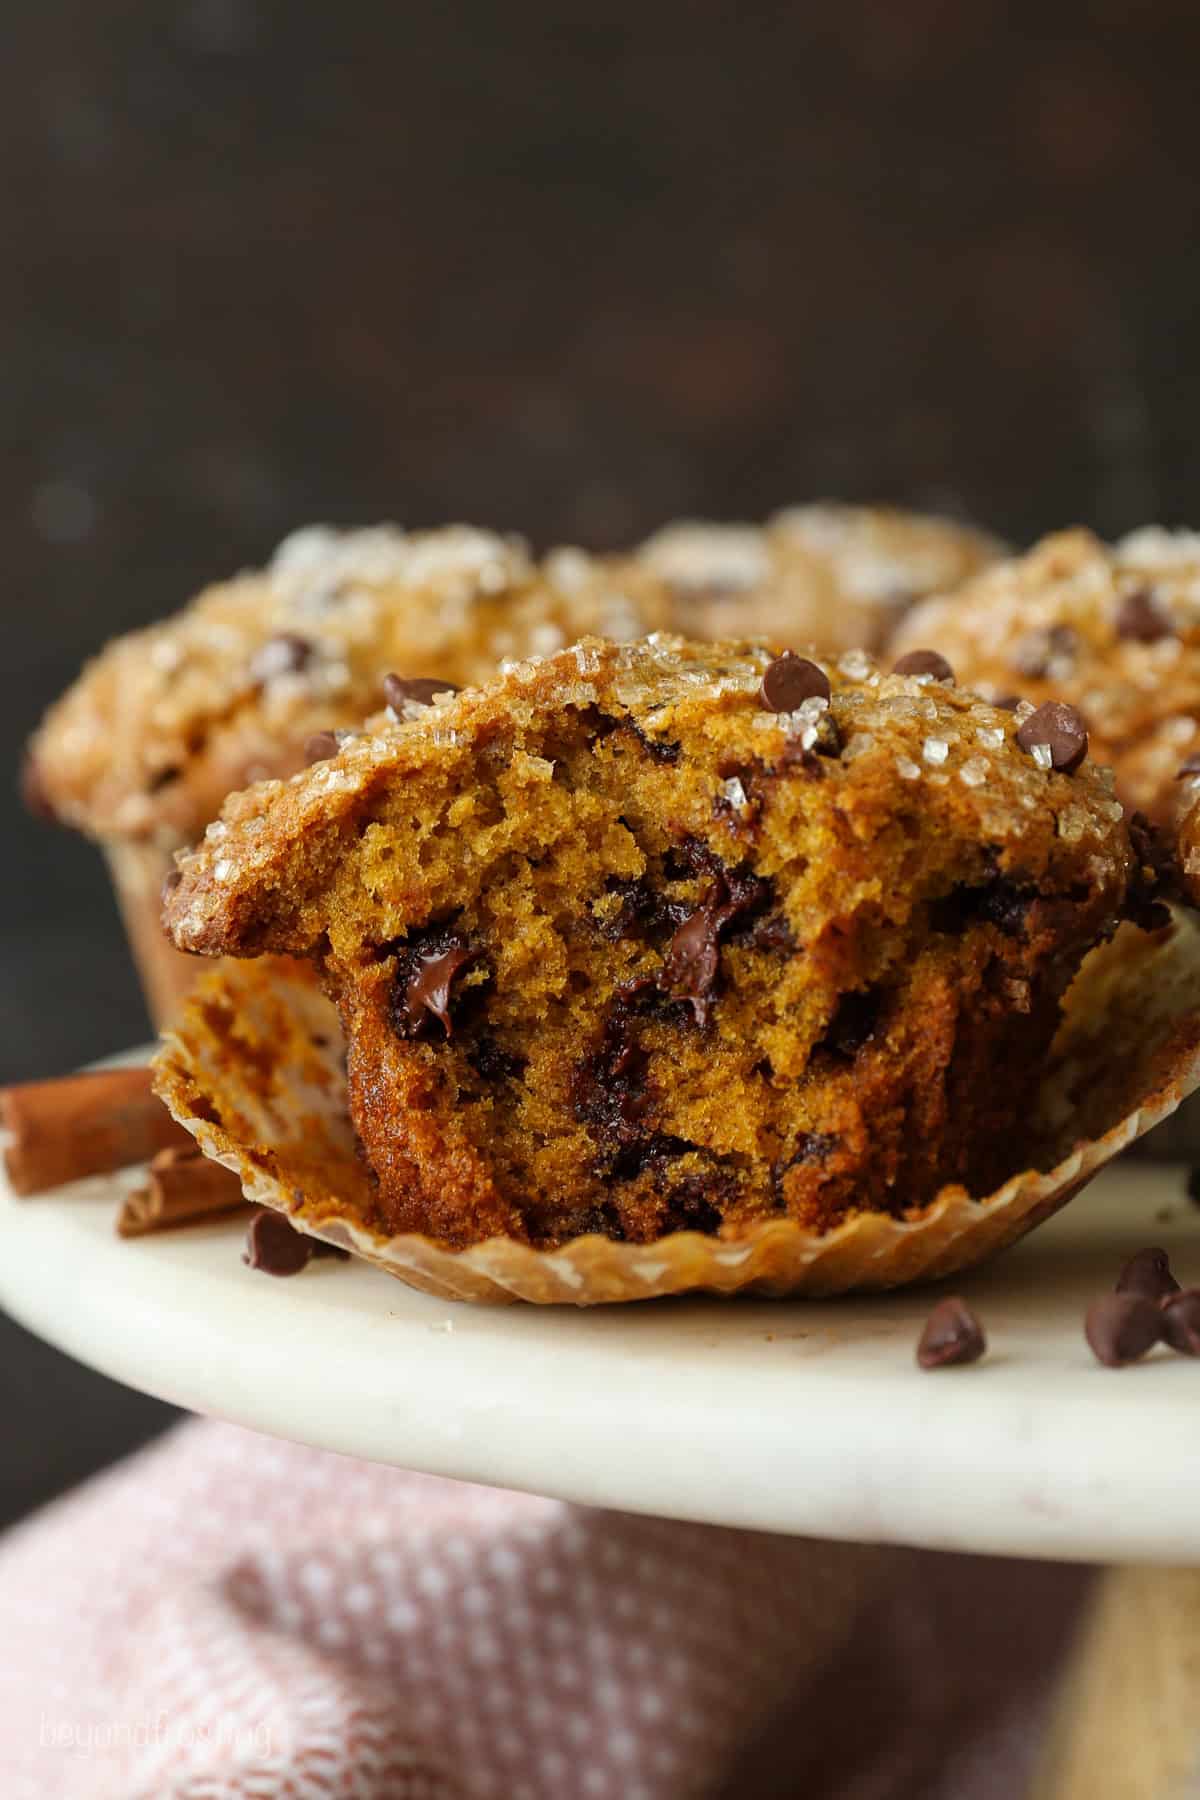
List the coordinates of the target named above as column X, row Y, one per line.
column 183, row 1186
column 90, row 1124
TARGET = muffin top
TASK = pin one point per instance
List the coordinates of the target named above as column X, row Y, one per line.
column 833, row 575
column 168, row 720
column 1112, row 629
column 725, row 720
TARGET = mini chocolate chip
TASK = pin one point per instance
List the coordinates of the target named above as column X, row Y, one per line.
column 791, row 680
column 1120, row 1328
column 419, row 689
column 1045, row 652
column 925, row 662
column 1141, row 618
column 425, row 973
column 274, row 1247
column 952, row 1335
column 1189, row 766
column 490, row 1060
column 1007, row 702
column 1063, row 732
column 321, row 747
column 282, row 655
column 1149, row 1274
column 163, row 778
column 1181, row 1321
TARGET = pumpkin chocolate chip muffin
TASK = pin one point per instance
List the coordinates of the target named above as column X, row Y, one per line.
column 1113, row 631
column 662, row 937
column 833, row 575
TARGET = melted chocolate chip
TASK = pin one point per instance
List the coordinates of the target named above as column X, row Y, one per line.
column 1061, row 729
column 659, row 750
column 274, row 1247
column 1181, row 1321
column 282, row 655
column 419, row 690
column 692, row 962
column 1140, row 618
column 952, row 1335
column 426, row 968
column 1120, row 1328
column 769, row 933
column 790, row 680
column 608, row 1086
column 853, row 1023
column 690, row 967
column 1149, row 1274
column 925, row 662
column 1000, row 901
column 494, row 1063
column 642, row 911
column 690, row 1205
column 1045, row 652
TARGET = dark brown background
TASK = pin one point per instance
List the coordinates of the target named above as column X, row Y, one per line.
column 560, row 267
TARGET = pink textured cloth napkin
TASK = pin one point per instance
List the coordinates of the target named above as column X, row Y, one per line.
column 225, row 1616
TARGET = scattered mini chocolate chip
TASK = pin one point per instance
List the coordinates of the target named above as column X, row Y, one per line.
column 417, row 689
column 1061, row 729
column 925, row 662
column 1120, row 1328
column 1149, row 1274
column 1045, row 652
column 1189, row 766
column 321, row 747
column 1140, row 618
column 790, row 680
column 282, row 655
column 952, row 1335
column 1007, row 702
column 1181, row 1321
column 274, row 1247
column 425, row 973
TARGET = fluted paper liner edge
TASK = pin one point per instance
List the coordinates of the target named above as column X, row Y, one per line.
column 254, row 1069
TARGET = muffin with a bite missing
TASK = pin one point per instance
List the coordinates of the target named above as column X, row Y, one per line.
column 662, row 940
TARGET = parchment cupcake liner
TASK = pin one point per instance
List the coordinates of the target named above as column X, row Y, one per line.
column 254, row 1069
column 167, row 976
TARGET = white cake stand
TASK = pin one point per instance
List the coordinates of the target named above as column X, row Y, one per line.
column 788, row 1416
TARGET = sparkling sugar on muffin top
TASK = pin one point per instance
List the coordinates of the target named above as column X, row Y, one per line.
column 1112, row 630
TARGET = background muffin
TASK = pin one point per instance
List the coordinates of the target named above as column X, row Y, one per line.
column 669, row 937
column 840, row 577
column 1112, row 630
